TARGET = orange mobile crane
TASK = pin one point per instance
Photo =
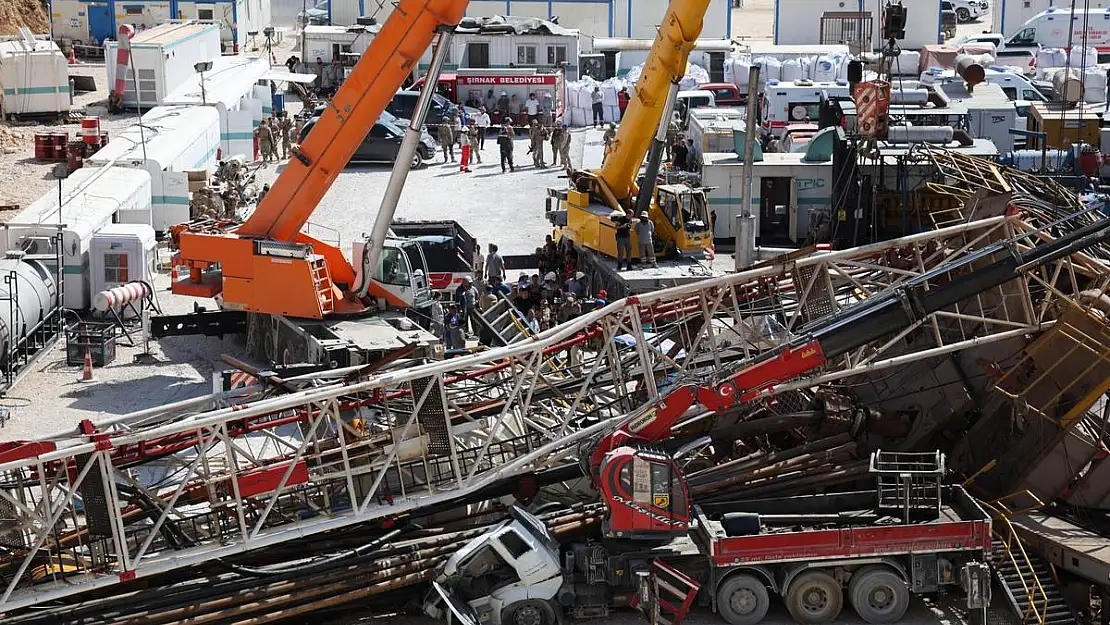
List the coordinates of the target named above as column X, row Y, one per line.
column 267, row 265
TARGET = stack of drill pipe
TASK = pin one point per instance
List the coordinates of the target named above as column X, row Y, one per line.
column 244, row 599
column 819, row 463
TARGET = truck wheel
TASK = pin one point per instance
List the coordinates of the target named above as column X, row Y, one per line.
column 963, row 14
column 814, row 598
column 743, row 600
column 879, row 595
column 528, row 612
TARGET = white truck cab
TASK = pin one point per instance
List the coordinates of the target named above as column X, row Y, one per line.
column 1015, row 86
column 997, row 39
column 509, row 575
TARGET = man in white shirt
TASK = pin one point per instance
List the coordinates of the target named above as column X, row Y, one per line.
column 479, row 265
column 532, row 106
column 483, row 127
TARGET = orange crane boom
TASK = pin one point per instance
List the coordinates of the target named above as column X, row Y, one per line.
column 267, row 265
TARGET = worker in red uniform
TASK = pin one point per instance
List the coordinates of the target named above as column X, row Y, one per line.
column 622, row 100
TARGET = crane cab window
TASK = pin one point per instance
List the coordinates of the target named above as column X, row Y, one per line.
column 669, row 205
column 393, row 268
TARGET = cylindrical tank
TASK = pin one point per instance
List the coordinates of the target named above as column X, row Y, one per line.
column 61, row 140
column 1067, row 85
column 968, row 67
column 44, row 147
column 90, row 129
column 909, row 96
column 75, row 155
column 30, row 297
column 916, row 134
column 119, row 296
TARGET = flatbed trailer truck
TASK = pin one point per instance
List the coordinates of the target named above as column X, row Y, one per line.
column 871, row 549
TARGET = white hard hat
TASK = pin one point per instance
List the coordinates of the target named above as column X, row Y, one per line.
column 579, row 275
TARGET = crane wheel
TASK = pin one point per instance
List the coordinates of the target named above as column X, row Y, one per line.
column 814, row 598
column 528, row 612
column 879, row 595
column 743, row 600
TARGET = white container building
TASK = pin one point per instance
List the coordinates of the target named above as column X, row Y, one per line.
column 328, row 42
column 177, row 138
column 499, row 42
column 230, row 88
column 34, row 76
column 635, row 19
column 831, row 22
column 784, row 185
column 92, row 198
column 240, row 21
column 163, row 59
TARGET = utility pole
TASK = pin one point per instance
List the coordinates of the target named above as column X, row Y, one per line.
column 745, row 221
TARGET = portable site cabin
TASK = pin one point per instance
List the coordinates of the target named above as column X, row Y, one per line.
column 177, row 138
column 229, row 88
column 787, row 191
column 34, row 76
column 91, row 199
column 991, row 114
column 163, row 59
column 830, row 22
column 330, row 42
column 240, row 21
column 498, row 42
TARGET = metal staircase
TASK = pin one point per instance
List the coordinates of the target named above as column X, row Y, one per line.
column 506, row 322
column 1028, row 582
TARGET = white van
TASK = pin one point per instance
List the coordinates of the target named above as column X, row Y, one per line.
column 1052, row 28
column 793, row 102
column 1015, row 86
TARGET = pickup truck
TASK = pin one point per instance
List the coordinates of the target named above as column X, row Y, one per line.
column 724, row 93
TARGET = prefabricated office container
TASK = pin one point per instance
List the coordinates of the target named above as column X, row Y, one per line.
column 239, row 21
column 163, row 59
column 34, row 76
column 91, row 199
column 177, row 138
column 121, row 253
column 229, row 88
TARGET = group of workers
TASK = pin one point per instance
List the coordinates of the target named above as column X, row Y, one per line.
column 269, row 133
column 469, row 135
column 555, row 294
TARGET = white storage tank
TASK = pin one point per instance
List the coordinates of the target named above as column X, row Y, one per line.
column 91, row 200
column 30, row 285
column 177, row 138
column 119, row 254
column 34, row 77
column 163, row 58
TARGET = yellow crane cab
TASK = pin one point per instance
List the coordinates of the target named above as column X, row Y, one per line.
column 681, row 216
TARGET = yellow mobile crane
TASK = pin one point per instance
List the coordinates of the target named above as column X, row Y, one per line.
column 595, row 197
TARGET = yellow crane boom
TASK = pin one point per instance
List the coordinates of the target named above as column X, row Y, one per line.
column 666, row 64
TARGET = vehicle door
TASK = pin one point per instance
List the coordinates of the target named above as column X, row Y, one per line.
column 380, row 145
column 402, row 105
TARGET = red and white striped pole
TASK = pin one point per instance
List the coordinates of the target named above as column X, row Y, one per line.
column 123, row 59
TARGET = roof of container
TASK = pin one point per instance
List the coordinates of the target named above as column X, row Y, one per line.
column 230, row 78
column 88, row 194
column 166, row 130
column 603, row 44
column 512, row 25
column 984, row 94
column 143, row 232
column 354, row 30
column 19, row 46
column 172, row 32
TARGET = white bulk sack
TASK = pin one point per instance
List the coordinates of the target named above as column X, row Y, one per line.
column 824, row 69
column 907, row 63
column 1083, row 57
column 792, row 70
column 1051, row 57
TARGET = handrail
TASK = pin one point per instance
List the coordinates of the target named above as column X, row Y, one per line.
column 1003, row 514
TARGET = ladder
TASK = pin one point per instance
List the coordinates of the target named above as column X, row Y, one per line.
column 506, row 322
column 322, row 282
column 1029, row 583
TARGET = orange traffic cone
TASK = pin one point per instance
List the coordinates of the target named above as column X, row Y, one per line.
column 72, row 59
column 87, row 371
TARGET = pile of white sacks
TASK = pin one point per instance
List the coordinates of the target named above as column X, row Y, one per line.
column 580, row 93
column 827, row 68
column 1051, row 61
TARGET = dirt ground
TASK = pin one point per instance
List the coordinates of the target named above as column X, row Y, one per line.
column 29, row 13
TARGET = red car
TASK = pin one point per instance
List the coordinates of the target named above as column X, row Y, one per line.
column 724, row 93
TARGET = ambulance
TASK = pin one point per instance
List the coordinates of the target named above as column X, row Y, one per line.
column 797, row 102
column 1050, row 29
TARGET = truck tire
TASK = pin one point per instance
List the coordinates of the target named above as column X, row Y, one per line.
column 528, row 612
column 879, row 595
column 814, row 598
column 743, row 600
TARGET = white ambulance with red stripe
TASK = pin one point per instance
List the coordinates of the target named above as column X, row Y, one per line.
column 1058, row 27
